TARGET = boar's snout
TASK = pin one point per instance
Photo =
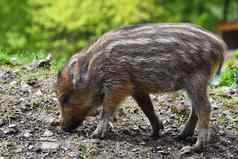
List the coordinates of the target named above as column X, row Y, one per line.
column 69, row 126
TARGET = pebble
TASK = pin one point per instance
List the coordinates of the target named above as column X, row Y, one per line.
column 21, row 99
column 13, row 60
column 30, row 147
column 38, row 93
column 12, row 126
column 66, row 147
column 90, row 141
column 154, row 97
column 25, row 87
column 48, row 133
column 45, row 146
column 27, row 134
column 13, row 83
column 50, row 120
column 74, row 155
column 134, row 150
column 10, row 131
column 18, row 150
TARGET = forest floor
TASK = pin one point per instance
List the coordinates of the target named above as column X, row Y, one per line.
column 28, row 110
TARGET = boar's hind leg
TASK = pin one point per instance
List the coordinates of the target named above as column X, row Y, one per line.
column 197, row 89
column 144, row 102
column 190, row 125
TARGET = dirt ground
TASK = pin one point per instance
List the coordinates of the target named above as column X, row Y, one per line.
column 28, row 110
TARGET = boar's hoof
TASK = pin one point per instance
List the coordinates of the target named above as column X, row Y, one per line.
column 155, row 135
column 100, row 131
column 190, row 149
column 185, row 150
column 183, row 135
column 156, row 131
column 97, row 134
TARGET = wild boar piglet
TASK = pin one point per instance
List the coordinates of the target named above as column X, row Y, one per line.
column 138, row 60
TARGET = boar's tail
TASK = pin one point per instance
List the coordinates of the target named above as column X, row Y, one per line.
column 220, row 66
column 221, row 58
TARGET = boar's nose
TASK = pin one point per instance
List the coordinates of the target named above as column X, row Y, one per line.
column 71, row 127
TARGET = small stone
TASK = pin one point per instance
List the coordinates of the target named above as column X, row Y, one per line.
column 134, row 150
column 13, row 60
column 65, row 148
column 13, row 83
column 55, row 99
column 21, row 99
column 18, row 150
column 153, row 97
column 25, row 87
column 74, row 155
column 46, row 146
column 38, row 93
column 50, row 120
column 10, row 131
column 30, row 147
column 135, row 127
column 12, row 126
column 27, row 134
column 163, row 152
column 48, row 133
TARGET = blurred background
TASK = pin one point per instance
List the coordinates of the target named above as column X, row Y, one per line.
column 31, row 29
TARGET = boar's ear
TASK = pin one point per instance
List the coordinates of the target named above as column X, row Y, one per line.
column 79, row 79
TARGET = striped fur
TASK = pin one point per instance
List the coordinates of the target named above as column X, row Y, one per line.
column 138, row 60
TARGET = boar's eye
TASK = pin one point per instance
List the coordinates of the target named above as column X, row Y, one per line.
column 65, row 99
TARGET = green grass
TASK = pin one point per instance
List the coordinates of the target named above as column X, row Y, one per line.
column 230, row 71
column 236, row 54
column 24, row 58
column 20, row 57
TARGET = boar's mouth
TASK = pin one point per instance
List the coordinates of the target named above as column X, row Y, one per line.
column 72, row 126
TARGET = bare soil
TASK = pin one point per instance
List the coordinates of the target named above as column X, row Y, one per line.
column 28, row 111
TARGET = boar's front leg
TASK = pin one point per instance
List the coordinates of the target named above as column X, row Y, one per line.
column 144, row 102
column 103, row 125
column 110, row 103
column 197, row 89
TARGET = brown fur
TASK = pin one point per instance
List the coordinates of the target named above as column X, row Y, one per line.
column 138, row 60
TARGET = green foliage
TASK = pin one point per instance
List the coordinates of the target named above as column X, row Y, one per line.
column 24, row 58
column 20, row 58
column 236, row 54
column 68, row 25
column 14, row 19
column 229, row 76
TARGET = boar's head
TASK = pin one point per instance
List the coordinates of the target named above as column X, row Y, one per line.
column 75, row 99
